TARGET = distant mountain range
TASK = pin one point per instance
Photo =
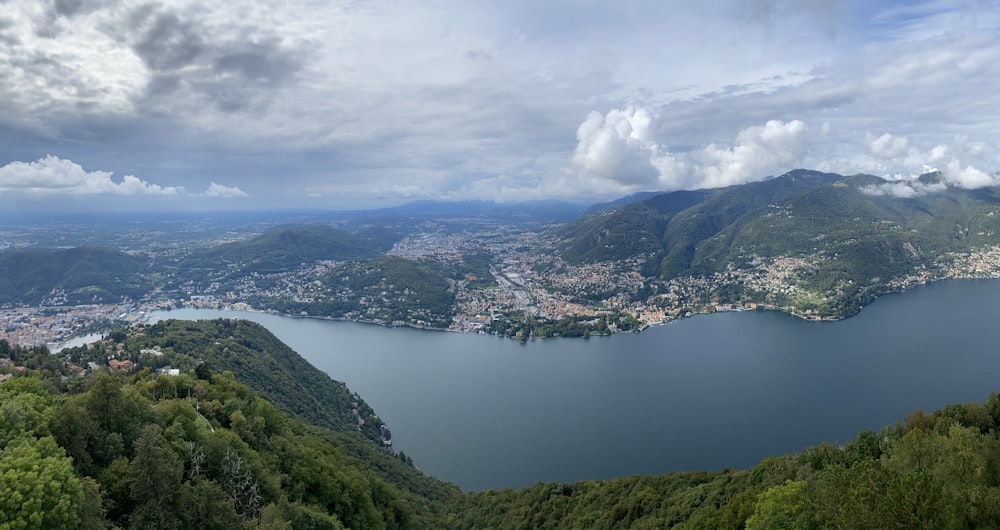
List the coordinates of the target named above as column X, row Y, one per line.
column 854, row 233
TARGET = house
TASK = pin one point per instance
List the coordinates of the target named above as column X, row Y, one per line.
column 125, row 366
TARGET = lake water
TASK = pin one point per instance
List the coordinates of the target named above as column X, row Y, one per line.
column 713, row 391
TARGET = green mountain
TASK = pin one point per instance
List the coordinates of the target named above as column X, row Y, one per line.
column 203, row 449
column 287, row 247
column 82, row 275
column 385, row 290
column 850, row 237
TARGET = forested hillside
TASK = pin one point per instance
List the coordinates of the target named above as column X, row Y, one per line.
column 384, row 290
column 138, row 447
column 286, row 247
column 146, row 449
column 848, row 238
column 84, row 275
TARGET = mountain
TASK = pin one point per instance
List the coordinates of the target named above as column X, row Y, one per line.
column 618, row 203
column 286, row 247
column 83, row 275
column 850, row 237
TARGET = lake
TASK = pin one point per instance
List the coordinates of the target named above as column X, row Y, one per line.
column 709, row 392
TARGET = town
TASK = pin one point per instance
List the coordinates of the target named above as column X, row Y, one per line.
column 529, row 280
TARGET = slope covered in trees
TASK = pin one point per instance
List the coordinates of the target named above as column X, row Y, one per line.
column 192, row 450
column 853, row 237
column 286, row 247
column 383, row 290
column 83, row 275
column 202, row 450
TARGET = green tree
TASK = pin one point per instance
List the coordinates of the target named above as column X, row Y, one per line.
column 26, row 409
column 784, row 506
column 37, row 486
column 156, row 481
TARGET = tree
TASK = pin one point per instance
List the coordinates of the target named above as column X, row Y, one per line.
column 203, row 372
column 26, row 409
column 37, row 486
column 156, row 481
column 784, row 506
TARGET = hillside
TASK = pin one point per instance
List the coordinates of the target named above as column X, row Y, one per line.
column 287, row 247
column 384, row 290
column 83, row 275
column 202, row 450
column 845, row 238
column 314, row 448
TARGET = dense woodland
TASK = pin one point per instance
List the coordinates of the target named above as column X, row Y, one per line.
column 206, row 449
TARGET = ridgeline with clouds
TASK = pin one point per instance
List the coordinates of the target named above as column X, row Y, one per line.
column 807, row 242
column 129, row 105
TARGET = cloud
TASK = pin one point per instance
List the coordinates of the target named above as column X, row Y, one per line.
column 54, row 175
column 620, row 147
column 498, row 92
column 886, row 146
column 617, row 146
column 224, row 192
column 903, row 189
column 758, row 152
column 968, row 177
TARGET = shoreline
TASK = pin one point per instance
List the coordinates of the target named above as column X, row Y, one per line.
column 639, row 329
column 146, row 313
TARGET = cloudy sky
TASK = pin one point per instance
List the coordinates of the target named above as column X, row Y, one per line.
column 183, row 104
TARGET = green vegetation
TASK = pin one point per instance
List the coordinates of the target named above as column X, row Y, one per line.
column 203, row 450
column 287, row 247
column 938, row 470
column 857, row 243
column 197, row 450
column 261, row 361
column 84, row 275
column 523, row 327
column 474, row 269
column 385, row 290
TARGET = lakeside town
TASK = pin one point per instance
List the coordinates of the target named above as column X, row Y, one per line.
column 527, row 281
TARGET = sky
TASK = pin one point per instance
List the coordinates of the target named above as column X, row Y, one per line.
column 338, row 104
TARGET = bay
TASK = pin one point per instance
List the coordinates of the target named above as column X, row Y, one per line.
column 709, row 392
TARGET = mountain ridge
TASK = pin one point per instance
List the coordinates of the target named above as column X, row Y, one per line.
column 850, row 236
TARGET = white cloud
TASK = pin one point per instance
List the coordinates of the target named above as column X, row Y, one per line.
column 617, row 146
column 758, row 152
column 887, row 146
column 54, row 175
column 967, row 176
column 224, row 192
column 903, row 189
column 620, row 147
